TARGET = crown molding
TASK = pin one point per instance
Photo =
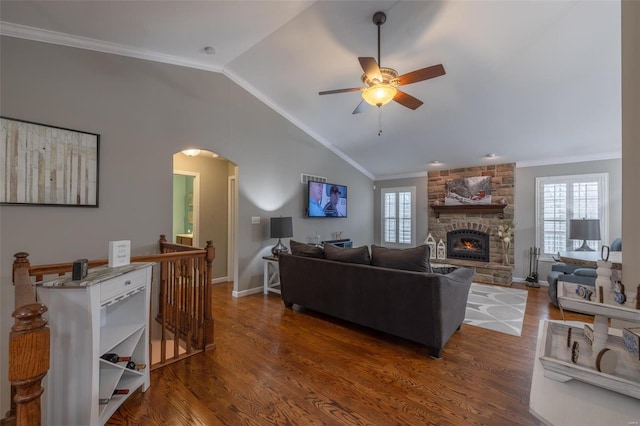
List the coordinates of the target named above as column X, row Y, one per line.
column 402, row 176
column 46, row 36
column 258, row 94
column 613, row 155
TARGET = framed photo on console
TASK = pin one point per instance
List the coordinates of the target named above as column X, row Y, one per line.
column 47, row 165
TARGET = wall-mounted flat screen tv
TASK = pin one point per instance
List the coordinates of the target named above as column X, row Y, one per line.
column 326, row 200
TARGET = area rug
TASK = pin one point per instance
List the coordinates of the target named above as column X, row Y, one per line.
column 496, row 308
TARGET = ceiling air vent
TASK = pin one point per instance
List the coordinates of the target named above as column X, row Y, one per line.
column 304, row 178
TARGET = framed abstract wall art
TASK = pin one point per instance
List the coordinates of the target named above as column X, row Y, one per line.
column 47, row 165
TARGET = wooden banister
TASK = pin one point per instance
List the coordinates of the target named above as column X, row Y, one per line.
column 185, row 302
column 208, row 301
column 28, row 348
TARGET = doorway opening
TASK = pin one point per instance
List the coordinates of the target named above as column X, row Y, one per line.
column 186, row 207
column 205, row 207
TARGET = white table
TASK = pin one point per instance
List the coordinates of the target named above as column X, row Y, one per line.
column 575, row 402
column 271, row 275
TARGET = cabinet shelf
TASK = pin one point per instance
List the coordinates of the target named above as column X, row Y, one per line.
column 106, row 313
column 114, row 336
column 470, row 208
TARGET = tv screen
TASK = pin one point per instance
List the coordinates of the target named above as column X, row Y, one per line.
column 326, row 200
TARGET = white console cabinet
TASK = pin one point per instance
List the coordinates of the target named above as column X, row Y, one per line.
column 106, row 312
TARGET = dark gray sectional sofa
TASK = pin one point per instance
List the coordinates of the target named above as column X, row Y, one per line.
column 419, row 306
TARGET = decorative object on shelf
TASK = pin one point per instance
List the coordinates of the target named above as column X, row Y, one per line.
column 281, row 227
column 585, row 292
column 585, row 230
column 71, row 158
column 631, row 340
column 442, row 250
column 80, row 269
column 505, row 234
column 606, row 361
column 603, row 281
column 588, row 334
column 575, row 352
column 119, row 253
column 618, row 293
column 431, row 242
column 569, row 337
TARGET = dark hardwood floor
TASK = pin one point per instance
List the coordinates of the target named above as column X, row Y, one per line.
column 273, row 365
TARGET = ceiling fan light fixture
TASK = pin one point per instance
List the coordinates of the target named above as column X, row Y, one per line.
column 379, row 94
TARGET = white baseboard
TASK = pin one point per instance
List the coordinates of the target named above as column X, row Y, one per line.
column 219, row 280
column 247, row 292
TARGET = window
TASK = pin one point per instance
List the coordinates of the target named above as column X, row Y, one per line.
column 398, row 216
column 562, row 198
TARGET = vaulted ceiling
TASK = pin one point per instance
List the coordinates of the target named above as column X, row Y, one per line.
column 533, row 82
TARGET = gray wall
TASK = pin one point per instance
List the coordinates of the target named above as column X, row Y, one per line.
column 525, row 212
column 422, row 206
column 145, row 112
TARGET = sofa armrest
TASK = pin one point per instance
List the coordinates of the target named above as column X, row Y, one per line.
column 566, row 268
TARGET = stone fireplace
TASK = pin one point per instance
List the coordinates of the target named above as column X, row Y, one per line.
column 470, row 234
column 468, row 244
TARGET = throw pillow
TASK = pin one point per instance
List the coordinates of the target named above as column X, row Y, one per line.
column 349, row 255
column 412, row 259
column 302, row 249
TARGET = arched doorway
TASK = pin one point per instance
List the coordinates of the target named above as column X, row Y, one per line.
column 207, row 208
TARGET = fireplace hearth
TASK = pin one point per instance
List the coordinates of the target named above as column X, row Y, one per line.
column 468, row 244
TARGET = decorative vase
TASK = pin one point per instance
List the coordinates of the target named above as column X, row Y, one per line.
column 505, row 253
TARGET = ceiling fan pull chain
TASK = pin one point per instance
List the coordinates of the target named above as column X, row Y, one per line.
column 379, row 121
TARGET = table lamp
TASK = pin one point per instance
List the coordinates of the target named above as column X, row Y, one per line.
column 584, row 229
column 281, row 227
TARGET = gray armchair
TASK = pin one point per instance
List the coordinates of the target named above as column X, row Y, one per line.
column 569, row 273
column 574, row 274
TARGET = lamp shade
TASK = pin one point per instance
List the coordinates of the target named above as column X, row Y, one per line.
column 584, row 229
column 281, row 227
column 379, row 94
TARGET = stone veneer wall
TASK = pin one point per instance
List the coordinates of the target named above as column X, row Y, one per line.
column 502, row 185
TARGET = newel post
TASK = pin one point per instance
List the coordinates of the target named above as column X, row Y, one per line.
column 208, row 303
column 28, row 350
column 21, row 261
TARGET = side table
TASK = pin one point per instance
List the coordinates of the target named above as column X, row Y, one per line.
column 271, row 275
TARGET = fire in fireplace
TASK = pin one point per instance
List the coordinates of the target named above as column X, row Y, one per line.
column 468, row 244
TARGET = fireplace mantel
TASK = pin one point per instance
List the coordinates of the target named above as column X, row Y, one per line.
column 470, row 208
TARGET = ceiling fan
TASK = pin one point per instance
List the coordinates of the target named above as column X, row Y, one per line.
column 382, row 82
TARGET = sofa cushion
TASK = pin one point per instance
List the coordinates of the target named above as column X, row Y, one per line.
column 302, row 249
column 411, row 259
column 349, row 255
column 586, row 272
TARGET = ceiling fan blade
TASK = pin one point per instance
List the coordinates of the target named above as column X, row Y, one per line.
column 370, row 68
column 420, row 75
column 407, row 100
column 331, row 92
column 360, row 108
